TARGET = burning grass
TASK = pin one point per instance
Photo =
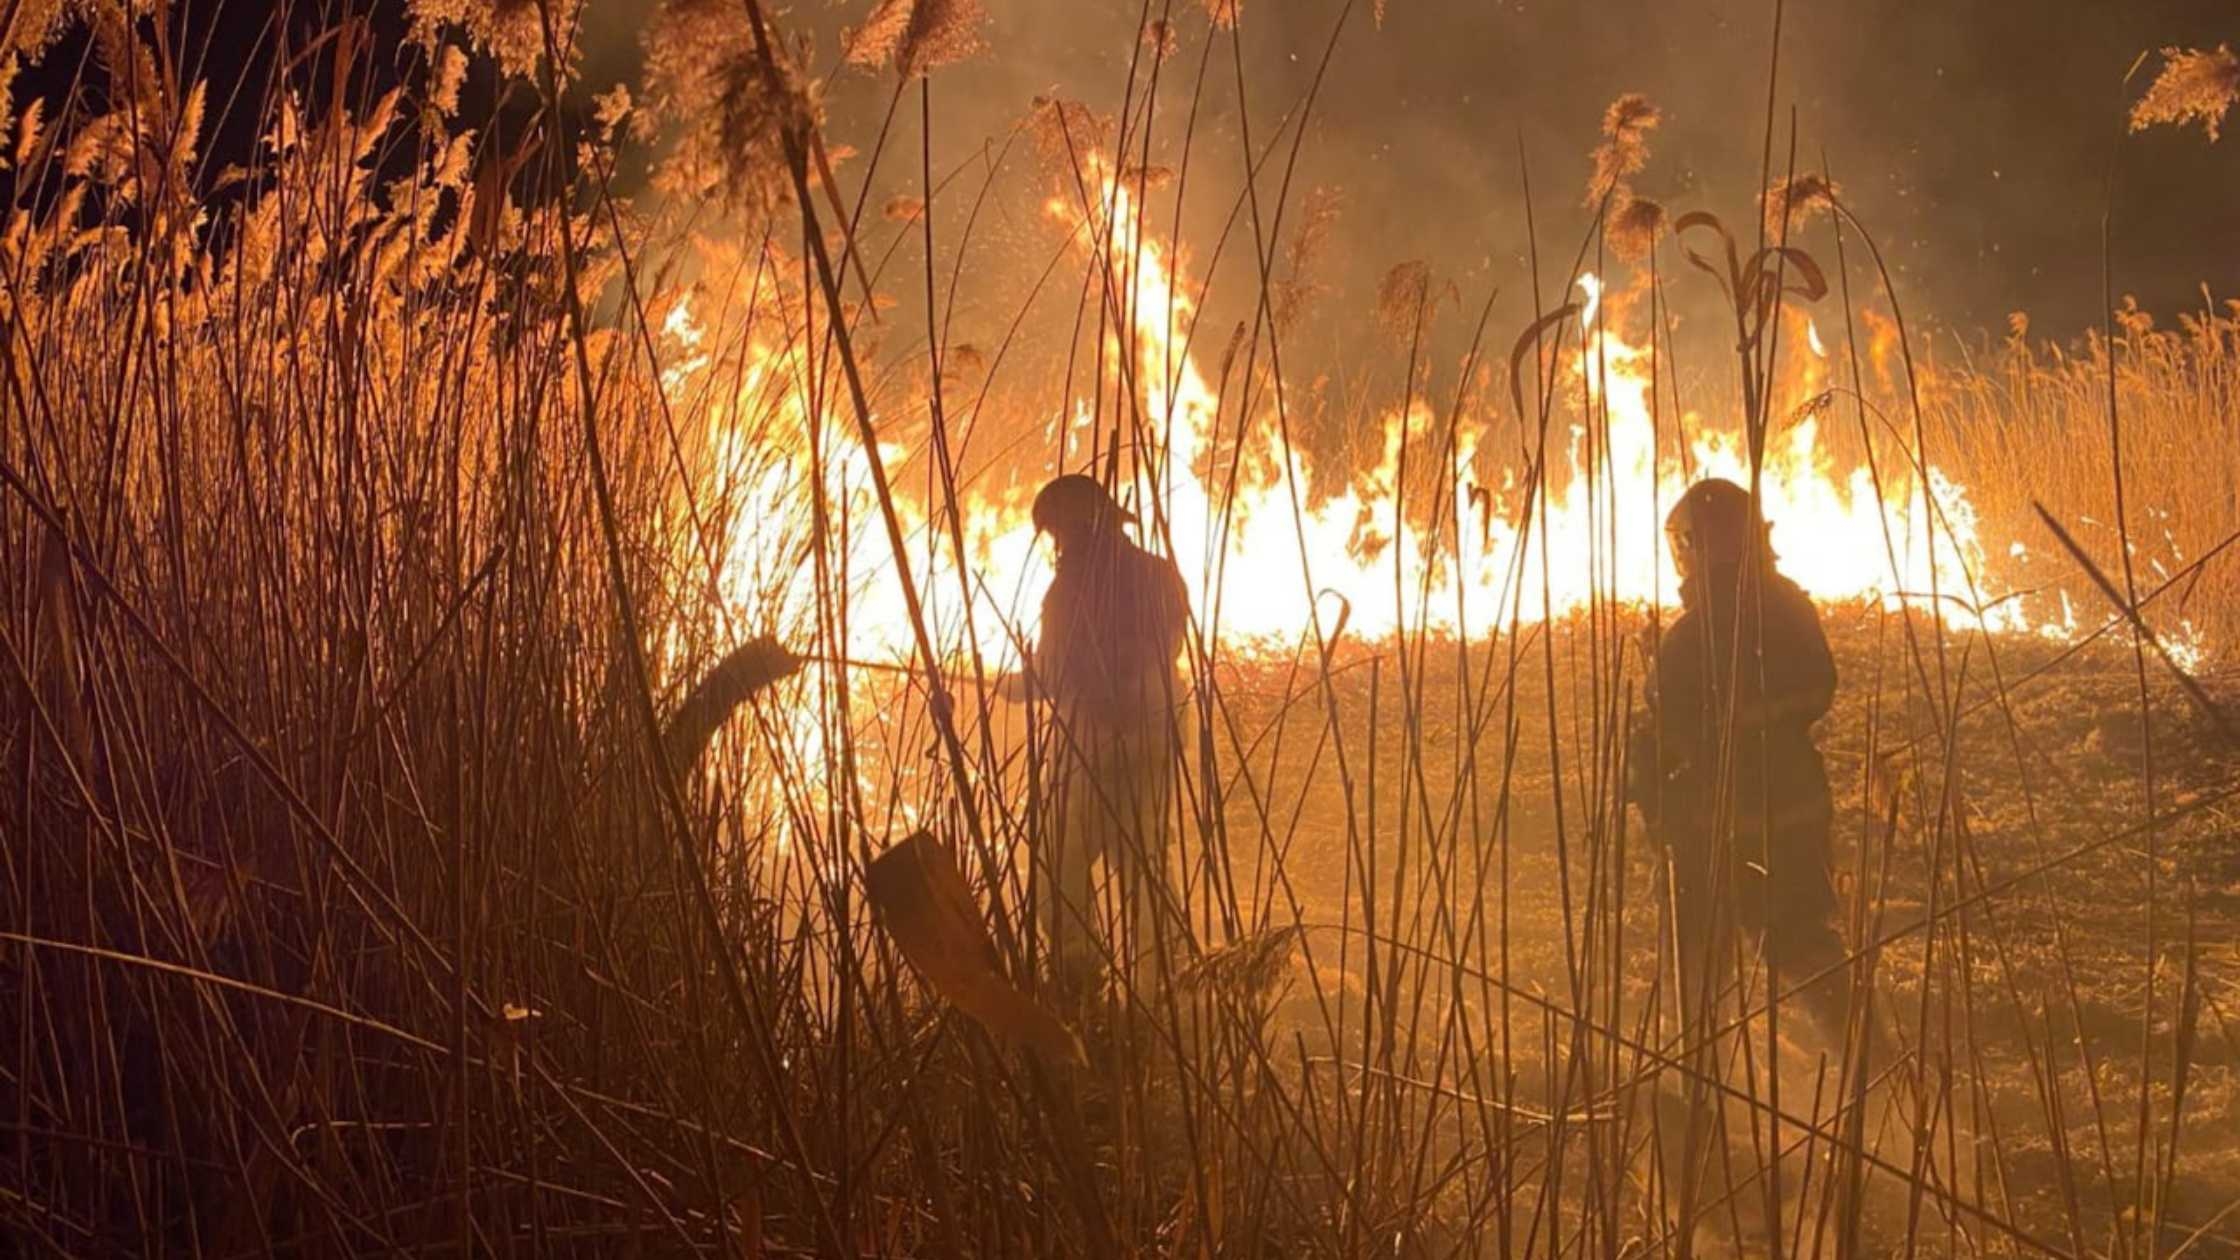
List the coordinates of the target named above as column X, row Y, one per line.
column 384, row 528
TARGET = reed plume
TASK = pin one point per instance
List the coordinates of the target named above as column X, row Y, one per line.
column 1788, row 202
column 1624, row 149
column 2194, row 86
column 1635, row 227
column 1403, row 295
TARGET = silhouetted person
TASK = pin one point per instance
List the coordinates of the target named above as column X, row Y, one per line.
column 1725, row 769
column 1112, row 625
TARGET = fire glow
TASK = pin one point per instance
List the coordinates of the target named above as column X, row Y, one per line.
column 1264, row 555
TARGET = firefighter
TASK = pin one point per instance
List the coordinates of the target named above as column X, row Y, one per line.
column 1724, row 768
column 1112, row 625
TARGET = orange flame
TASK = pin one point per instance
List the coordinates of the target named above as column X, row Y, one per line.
column 1264, row 564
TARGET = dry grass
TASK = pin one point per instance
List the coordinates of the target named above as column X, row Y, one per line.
column 2025, row 420
column 362, row 544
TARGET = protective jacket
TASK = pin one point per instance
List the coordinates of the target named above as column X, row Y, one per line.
column 1724, row 768
column 1113, row 623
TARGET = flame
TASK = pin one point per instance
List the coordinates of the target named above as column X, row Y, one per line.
column 1432, row 536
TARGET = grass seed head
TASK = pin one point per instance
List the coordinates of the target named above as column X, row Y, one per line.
column 1635, row 227
column 872, row 43
column 510, row 31
column 2195, row 86
column 1291, row 293
column 1160, row 38
column 757, row 109
column 1402, row 296
column 1794, row 199
column 1067, row 131
column 1624, row 150
column 941, row 33
column 450, row 75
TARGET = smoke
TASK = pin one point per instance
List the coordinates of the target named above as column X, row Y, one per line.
column 1977, row 141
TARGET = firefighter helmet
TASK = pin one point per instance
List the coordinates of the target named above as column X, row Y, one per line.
column 1076, row 506
column 1709, row 526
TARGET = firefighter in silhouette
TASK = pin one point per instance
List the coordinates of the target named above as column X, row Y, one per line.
column 1112, row 625
column 1724, row 768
